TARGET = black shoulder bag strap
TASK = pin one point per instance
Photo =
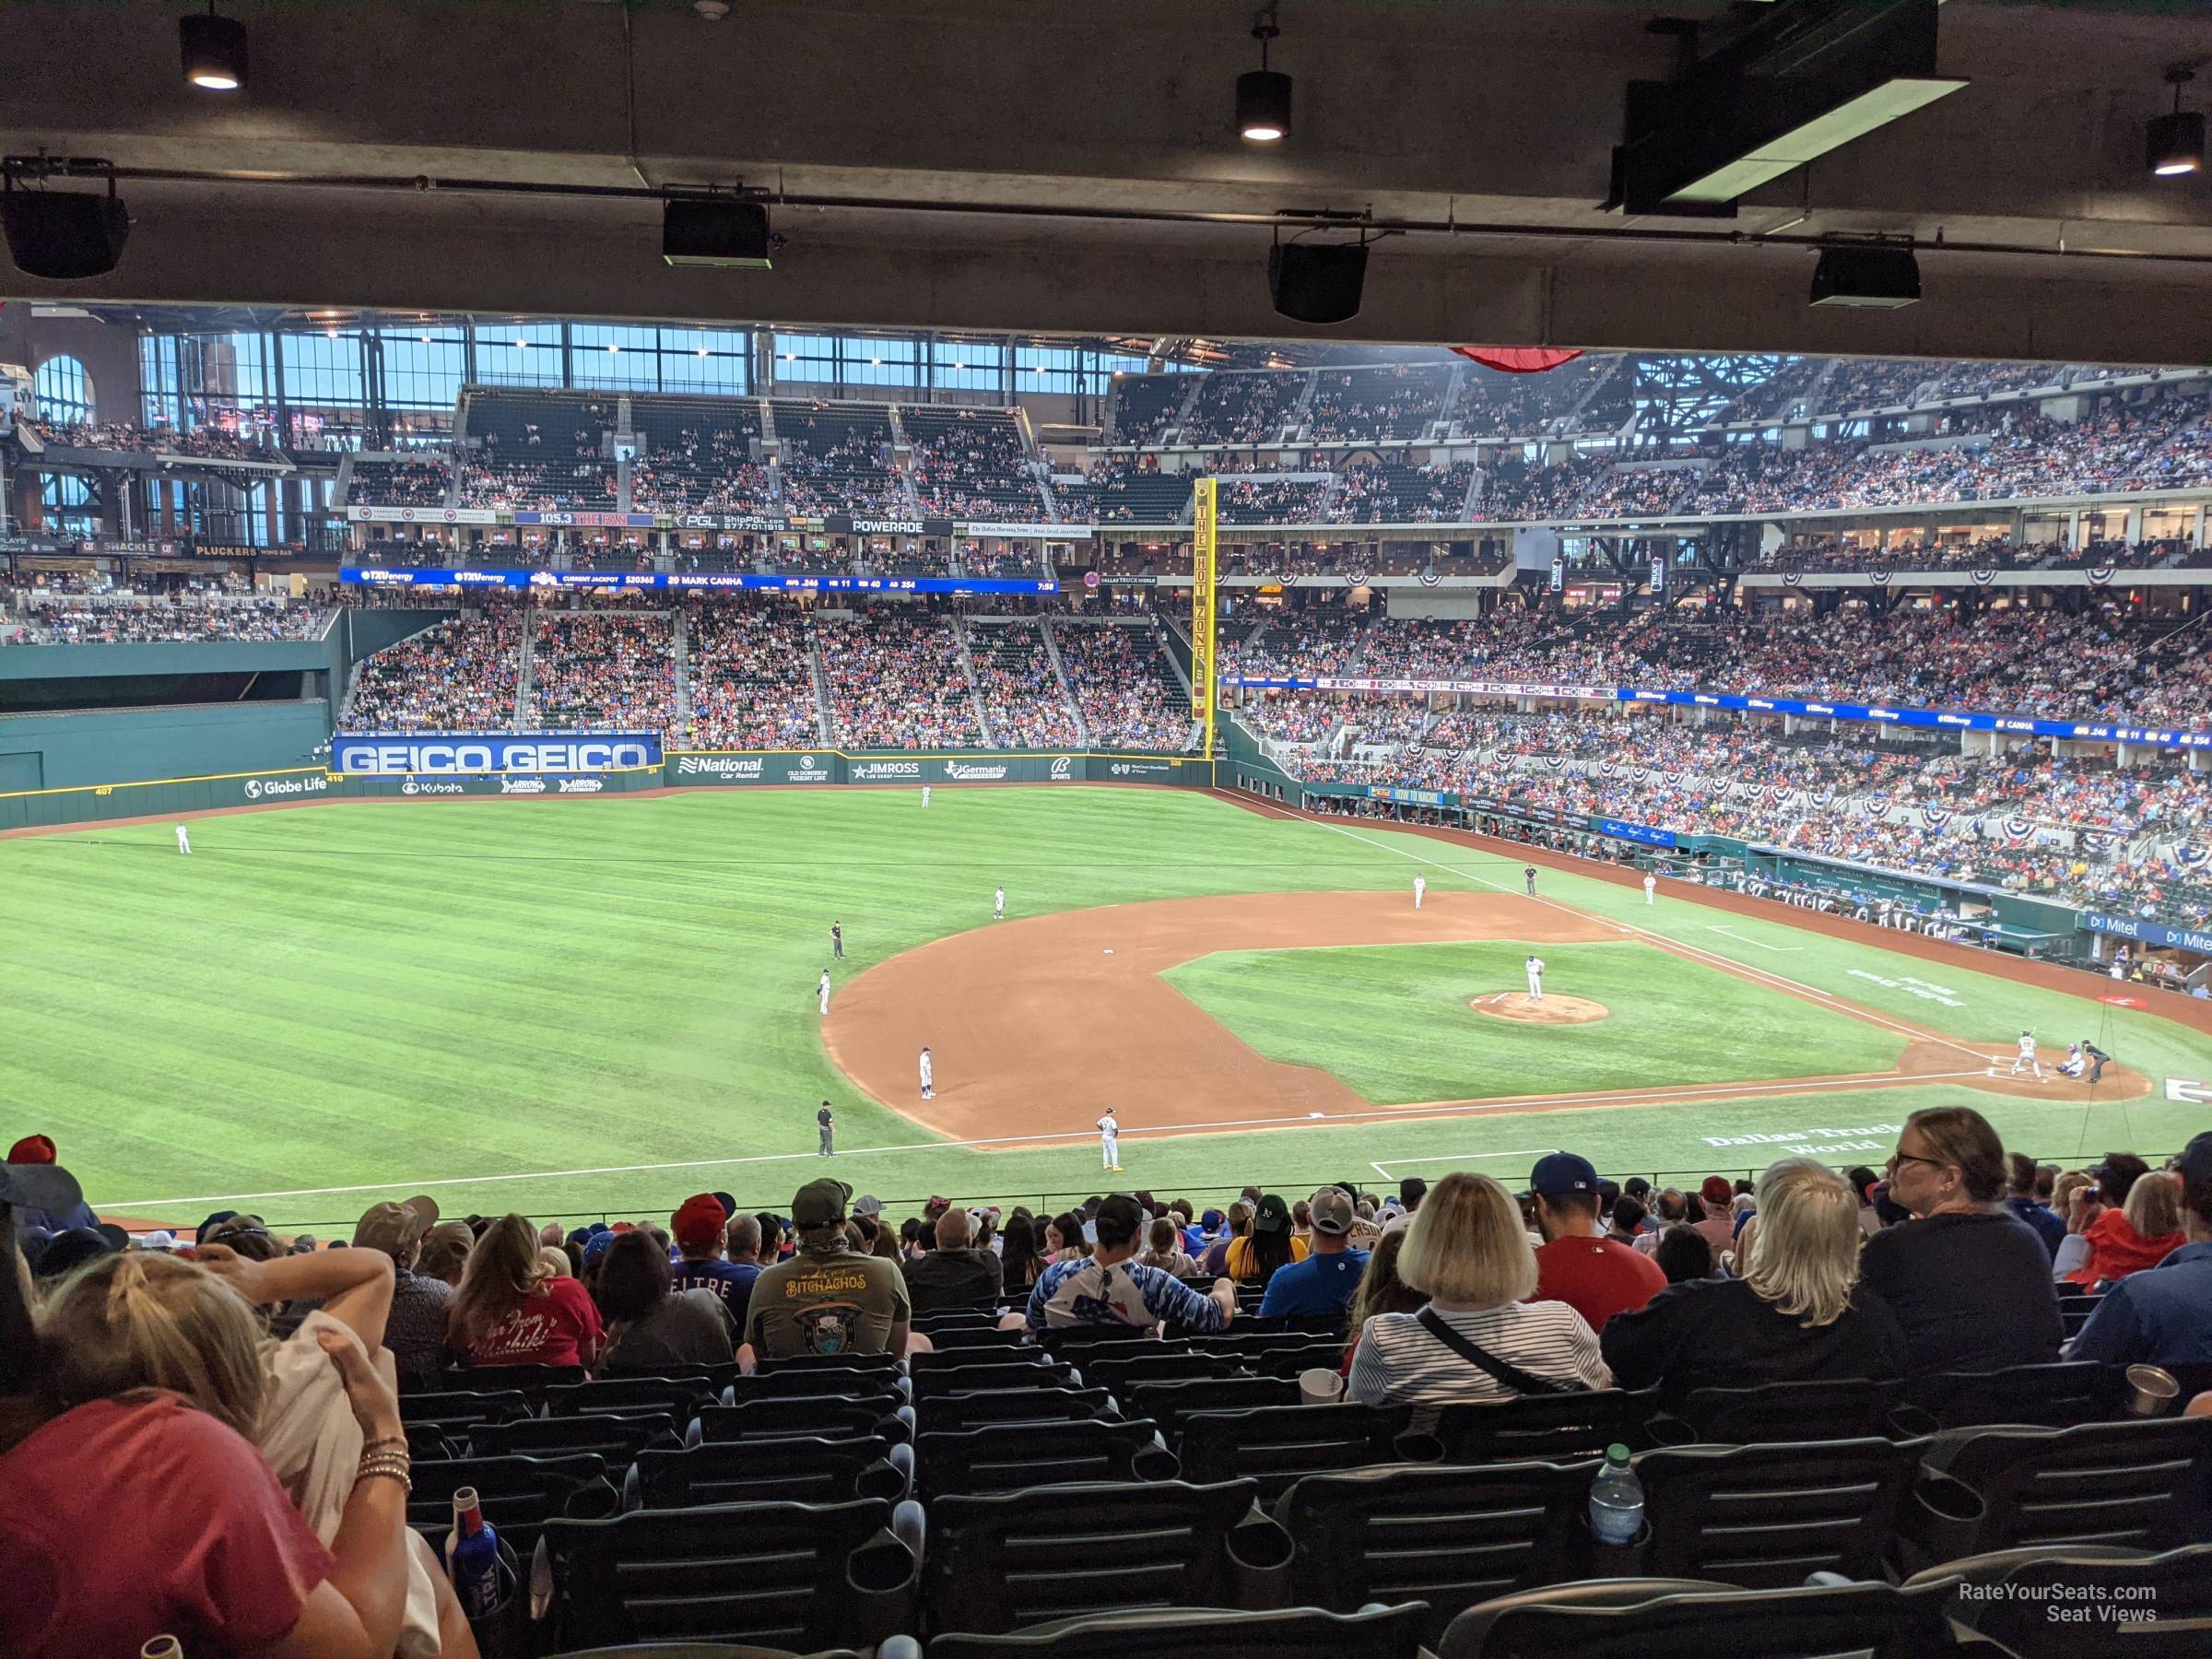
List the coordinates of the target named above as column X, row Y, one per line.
column 1512, row 1375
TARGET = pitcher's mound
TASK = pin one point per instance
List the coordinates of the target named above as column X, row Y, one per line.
column 1555, row 1009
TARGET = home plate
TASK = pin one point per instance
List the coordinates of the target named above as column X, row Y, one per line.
column 1108, row 951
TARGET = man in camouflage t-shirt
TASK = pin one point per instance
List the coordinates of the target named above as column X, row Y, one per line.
column 829, row 1298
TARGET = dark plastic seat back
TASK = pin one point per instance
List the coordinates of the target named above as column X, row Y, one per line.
column 1168, row 1404
column 1161, row 1363
column 2050, row 1397
column 1451, row 1537
column 765, row 1471
column 2152, row 1607
column 603, row 1434
column 1765, row 1516
column 1204, row 1633
column 1006, row 1457
column 1614, row 1618
column 1012, row 1405
column 680, row 1398
column 1276, row 1446
column 518, row 1495
column 800, row 1576
column 2137, row 1485
column 1547, row 1428
column 812, row 1385
column 834, row 1418
column 990, row 1567
column 1792, row 1411
column 1039, row 1372
column 533, row 1379
column 460, row 1408
column 948, row 1336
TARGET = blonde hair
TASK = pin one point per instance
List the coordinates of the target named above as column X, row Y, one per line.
column 1466, row 1244
column 1805, row 1257
column 1381, row 1289
column 143, row 1318
column 555, row 1262
column 504, row 1270
column 2154, row 1204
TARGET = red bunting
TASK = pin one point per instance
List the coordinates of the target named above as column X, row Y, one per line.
column 1518, row 359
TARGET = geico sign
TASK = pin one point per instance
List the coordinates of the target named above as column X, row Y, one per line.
column 586, row 756
column 259, row 789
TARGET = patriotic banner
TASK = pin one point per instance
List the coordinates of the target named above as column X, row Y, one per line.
column 1935, row 818
column 1983, row 578
column 2099, row 575
column 2018, row 830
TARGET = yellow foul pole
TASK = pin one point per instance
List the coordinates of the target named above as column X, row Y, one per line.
column 1205, row 675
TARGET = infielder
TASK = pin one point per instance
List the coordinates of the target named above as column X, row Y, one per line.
column 1651, row 886
column 998, row 904
column 1420, row 886
column 925, row 795
column 2027, row 1056
column 1110, row 1141
column 184, row 841
column 824, row 988
column 837, row 940
column 1528, row 878
column 826, row 1121
column 1536, row 978
column 929, row 1077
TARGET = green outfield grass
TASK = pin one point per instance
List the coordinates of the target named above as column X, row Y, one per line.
column 1393, row 1020
column 589, row 1006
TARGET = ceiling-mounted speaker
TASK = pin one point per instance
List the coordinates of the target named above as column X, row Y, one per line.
column 64, row 235
column 715, row 230
column 1313, row 282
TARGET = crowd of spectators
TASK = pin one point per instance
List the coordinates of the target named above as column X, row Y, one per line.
column 96, row 612
column 1125, row 686
column 1382, row 405
column 971, row 464
column 400, row 483
column 201, row 442
column 750, row 674
column 270, row 1377
column 1024, row 703
column 897, row 682
column 601, row 668
column 458, row 676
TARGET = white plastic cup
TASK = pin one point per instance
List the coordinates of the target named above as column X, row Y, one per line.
column 1319, row 1386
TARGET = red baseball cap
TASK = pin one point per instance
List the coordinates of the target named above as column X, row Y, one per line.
column 1716, row 1190
column 699, row 1221
column 32, row 1149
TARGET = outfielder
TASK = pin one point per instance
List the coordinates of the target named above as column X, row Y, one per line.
column 1651, row 886
column 1528, row 878
column 2027, row 1056
column 1536, row 978
column 824, row 988
column 1420, row 886
column 184, row 841
column 1110, row 1141
column 998, row 904
column 925, row 795
column 826, row 1121
column 929, row 1077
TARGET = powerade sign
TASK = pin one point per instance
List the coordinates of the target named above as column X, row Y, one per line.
column 377, row 576
column 414, row 754
column 2148, row 933
column 1642, row 834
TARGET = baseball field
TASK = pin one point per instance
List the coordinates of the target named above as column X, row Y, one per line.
column 597, row 1007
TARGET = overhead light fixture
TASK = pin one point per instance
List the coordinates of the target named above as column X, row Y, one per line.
column 62, row 235
column 1263, row 94
column 1806, row 78
column 2173, row 144
column 215, row 51
column 1874, row 276
column 1317, row 282
column 715, row 230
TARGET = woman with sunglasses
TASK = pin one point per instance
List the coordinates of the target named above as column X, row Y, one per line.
column 1968, row 1280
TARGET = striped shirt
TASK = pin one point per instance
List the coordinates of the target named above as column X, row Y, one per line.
column 1397, row 1362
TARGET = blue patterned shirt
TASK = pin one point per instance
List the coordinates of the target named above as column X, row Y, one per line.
column 1085, row 1293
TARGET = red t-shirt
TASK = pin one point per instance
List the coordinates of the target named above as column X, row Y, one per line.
column 125, row 1520
column 1596, row 1277
column 560, row 1327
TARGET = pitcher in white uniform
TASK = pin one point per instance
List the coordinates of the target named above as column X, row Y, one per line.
column 1420, row 886
column 1110, row 1141
column 1536, row 978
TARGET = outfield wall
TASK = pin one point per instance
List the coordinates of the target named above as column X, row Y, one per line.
column 174, row 795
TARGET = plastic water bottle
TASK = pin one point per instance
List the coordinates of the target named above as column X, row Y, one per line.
column 471, row 1557
column 1616, row 1499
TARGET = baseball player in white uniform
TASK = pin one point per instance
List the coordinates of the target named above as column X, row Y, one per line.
column 824, row 988
column 998, row 905
column 1110, row 1141
column 1536, row 978
column 1651, row 886
column 1420, row 886
column 929, row 1077
column 2027, row 1056
column 184, row 841
column 925, row 795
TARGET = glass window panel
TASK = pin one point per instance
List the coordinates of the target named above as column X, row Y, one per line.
column 518, row 354
column 63, row 391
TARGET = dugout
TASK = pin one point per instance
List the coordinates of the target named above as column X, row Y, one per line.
column 1969, row 912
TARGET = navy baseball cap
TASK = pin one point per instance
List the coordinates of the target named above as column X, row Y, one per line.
column 2195, row 1164
column 1561, row 1173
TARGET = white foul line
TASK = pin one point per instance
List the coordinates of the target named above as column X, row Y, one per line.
column 1755, row 943
column 1461, row 1158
